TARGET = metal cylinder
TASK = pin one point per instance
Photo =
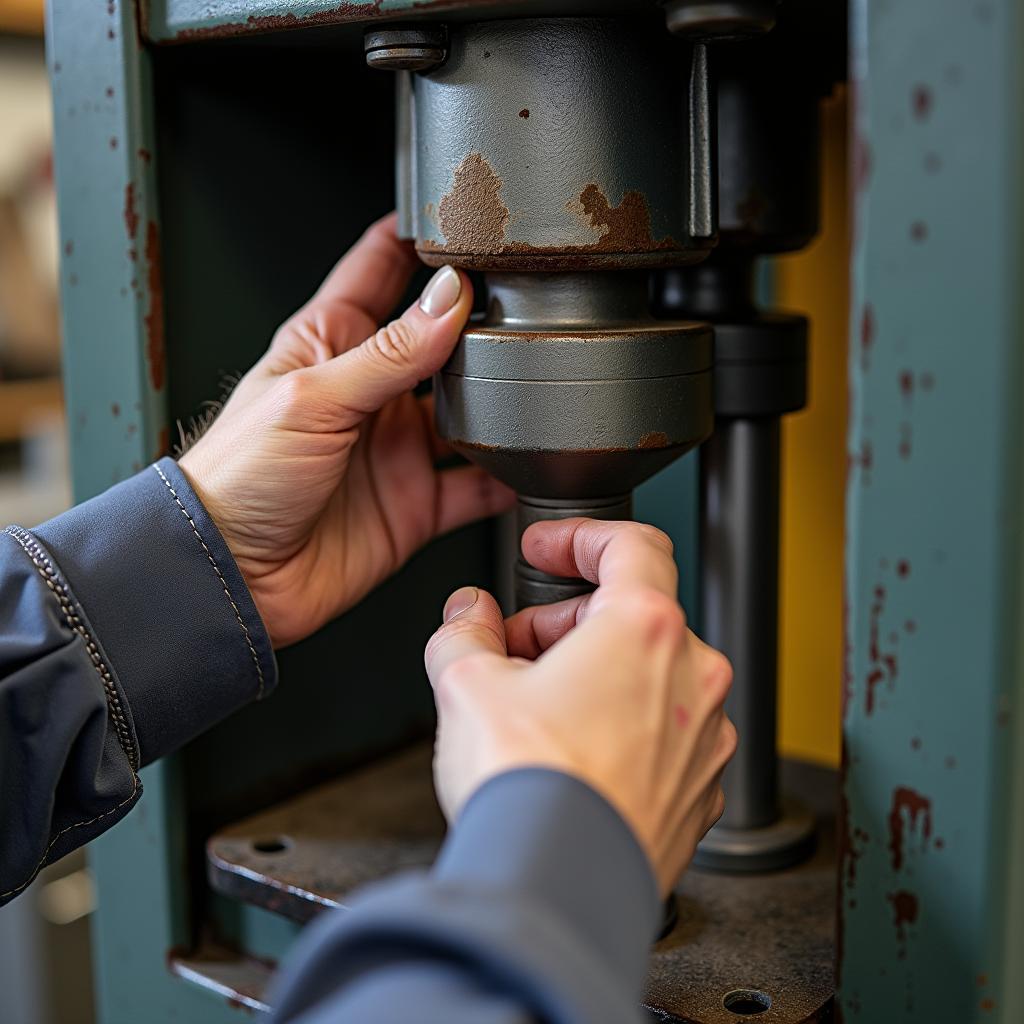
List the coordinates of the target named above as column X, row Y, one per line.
column 540, row 146
column 569, row 389
column 739, row 600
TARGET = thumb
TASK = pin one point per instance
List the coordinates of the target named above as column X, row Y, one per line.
column 473, row 624
column 404, row 352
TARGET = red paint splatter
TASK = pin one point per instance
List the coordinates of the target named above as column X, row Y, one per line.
column 908, row 806
column 904, row 912
column 131, row 216
column 115, row 410
column 867, row 333
column 154, row 318
column 903, row 568
column 874, row 678
column 682, row 716
column 921, row 102
column 918, row 231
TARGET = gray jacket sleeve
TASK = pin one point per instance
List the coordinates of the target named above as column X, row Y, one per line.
column 541, row 907
column 125, row 630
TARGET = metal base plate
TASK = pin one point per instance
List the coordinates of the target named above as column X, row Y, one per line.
column 782, row 844
column 771, row 934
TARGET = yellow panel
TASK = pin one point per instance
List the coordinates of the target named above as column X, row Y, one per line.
column 816, row 283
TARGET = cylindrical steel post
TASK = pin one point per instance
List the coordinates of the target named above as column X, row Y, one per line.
column 740, row 598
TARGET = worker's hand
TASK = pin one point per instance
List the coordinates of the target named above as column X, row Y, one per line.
column 612, row 688
column 320, row 470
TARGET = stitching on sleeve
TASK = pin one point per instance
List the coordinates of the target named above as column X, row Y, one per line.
column 220, row 576
column 56, row 585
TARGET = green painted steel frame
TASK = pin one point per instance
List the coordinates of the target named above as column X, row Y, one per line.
column 114, row 386
column 931, row 883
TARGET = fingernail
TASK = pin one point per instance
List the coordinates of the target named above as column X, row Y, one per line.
column 462, row 600
column 441, row 293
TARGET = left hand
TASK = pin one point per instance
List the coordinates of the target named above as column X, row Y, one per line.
column 320, row 470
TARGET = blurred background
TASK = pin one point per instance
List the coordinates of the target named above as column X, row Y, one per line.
column 45, row 972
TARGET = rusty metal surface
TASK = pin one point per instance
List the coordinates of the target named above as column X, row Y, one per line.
column 770, row 933
column 312, row 852
column 930, row 920
column 176, row 21
column 538, row 145
column 242, row 980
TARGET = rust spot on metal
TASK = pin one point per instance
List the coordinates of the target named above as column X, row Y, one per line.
column 867, row 334
column 921, row 102
column 624, row 228
column 154, row 318
column 131, row 216
column 474, row 219
column 908, row 808
column 109, row 92
column 524, row 113
column 904, row 913
column 115, row 410
column 884, row 666
column 472, row 216
column 981, row 980
column 655, row 439
column 69, row 247
column 906, row 384
column 915, row 743
column 987, row 1003
column 918, row 231
column 903, row 568
column 281, row 22
column 144, row 155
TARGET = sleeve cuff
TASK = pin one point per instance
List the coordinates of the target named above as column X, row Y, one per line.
column 167, row 602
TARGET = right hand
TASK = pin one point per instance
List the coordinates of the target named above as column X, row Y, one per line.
column 611, row 688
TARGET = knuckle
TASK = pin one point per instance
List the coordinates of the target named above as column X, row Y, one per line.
column 294, row 391
column 657, row 538
column 730, row 739
column 395, row 344
column 717, row 674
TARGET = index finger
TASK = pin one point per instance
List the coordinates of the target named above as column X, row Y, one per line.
column 373, row 274
column 603, row 552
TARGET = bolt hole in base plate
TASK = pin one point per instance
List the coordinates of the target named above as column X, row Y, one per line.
column 272, row 844
column 746, row 1002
